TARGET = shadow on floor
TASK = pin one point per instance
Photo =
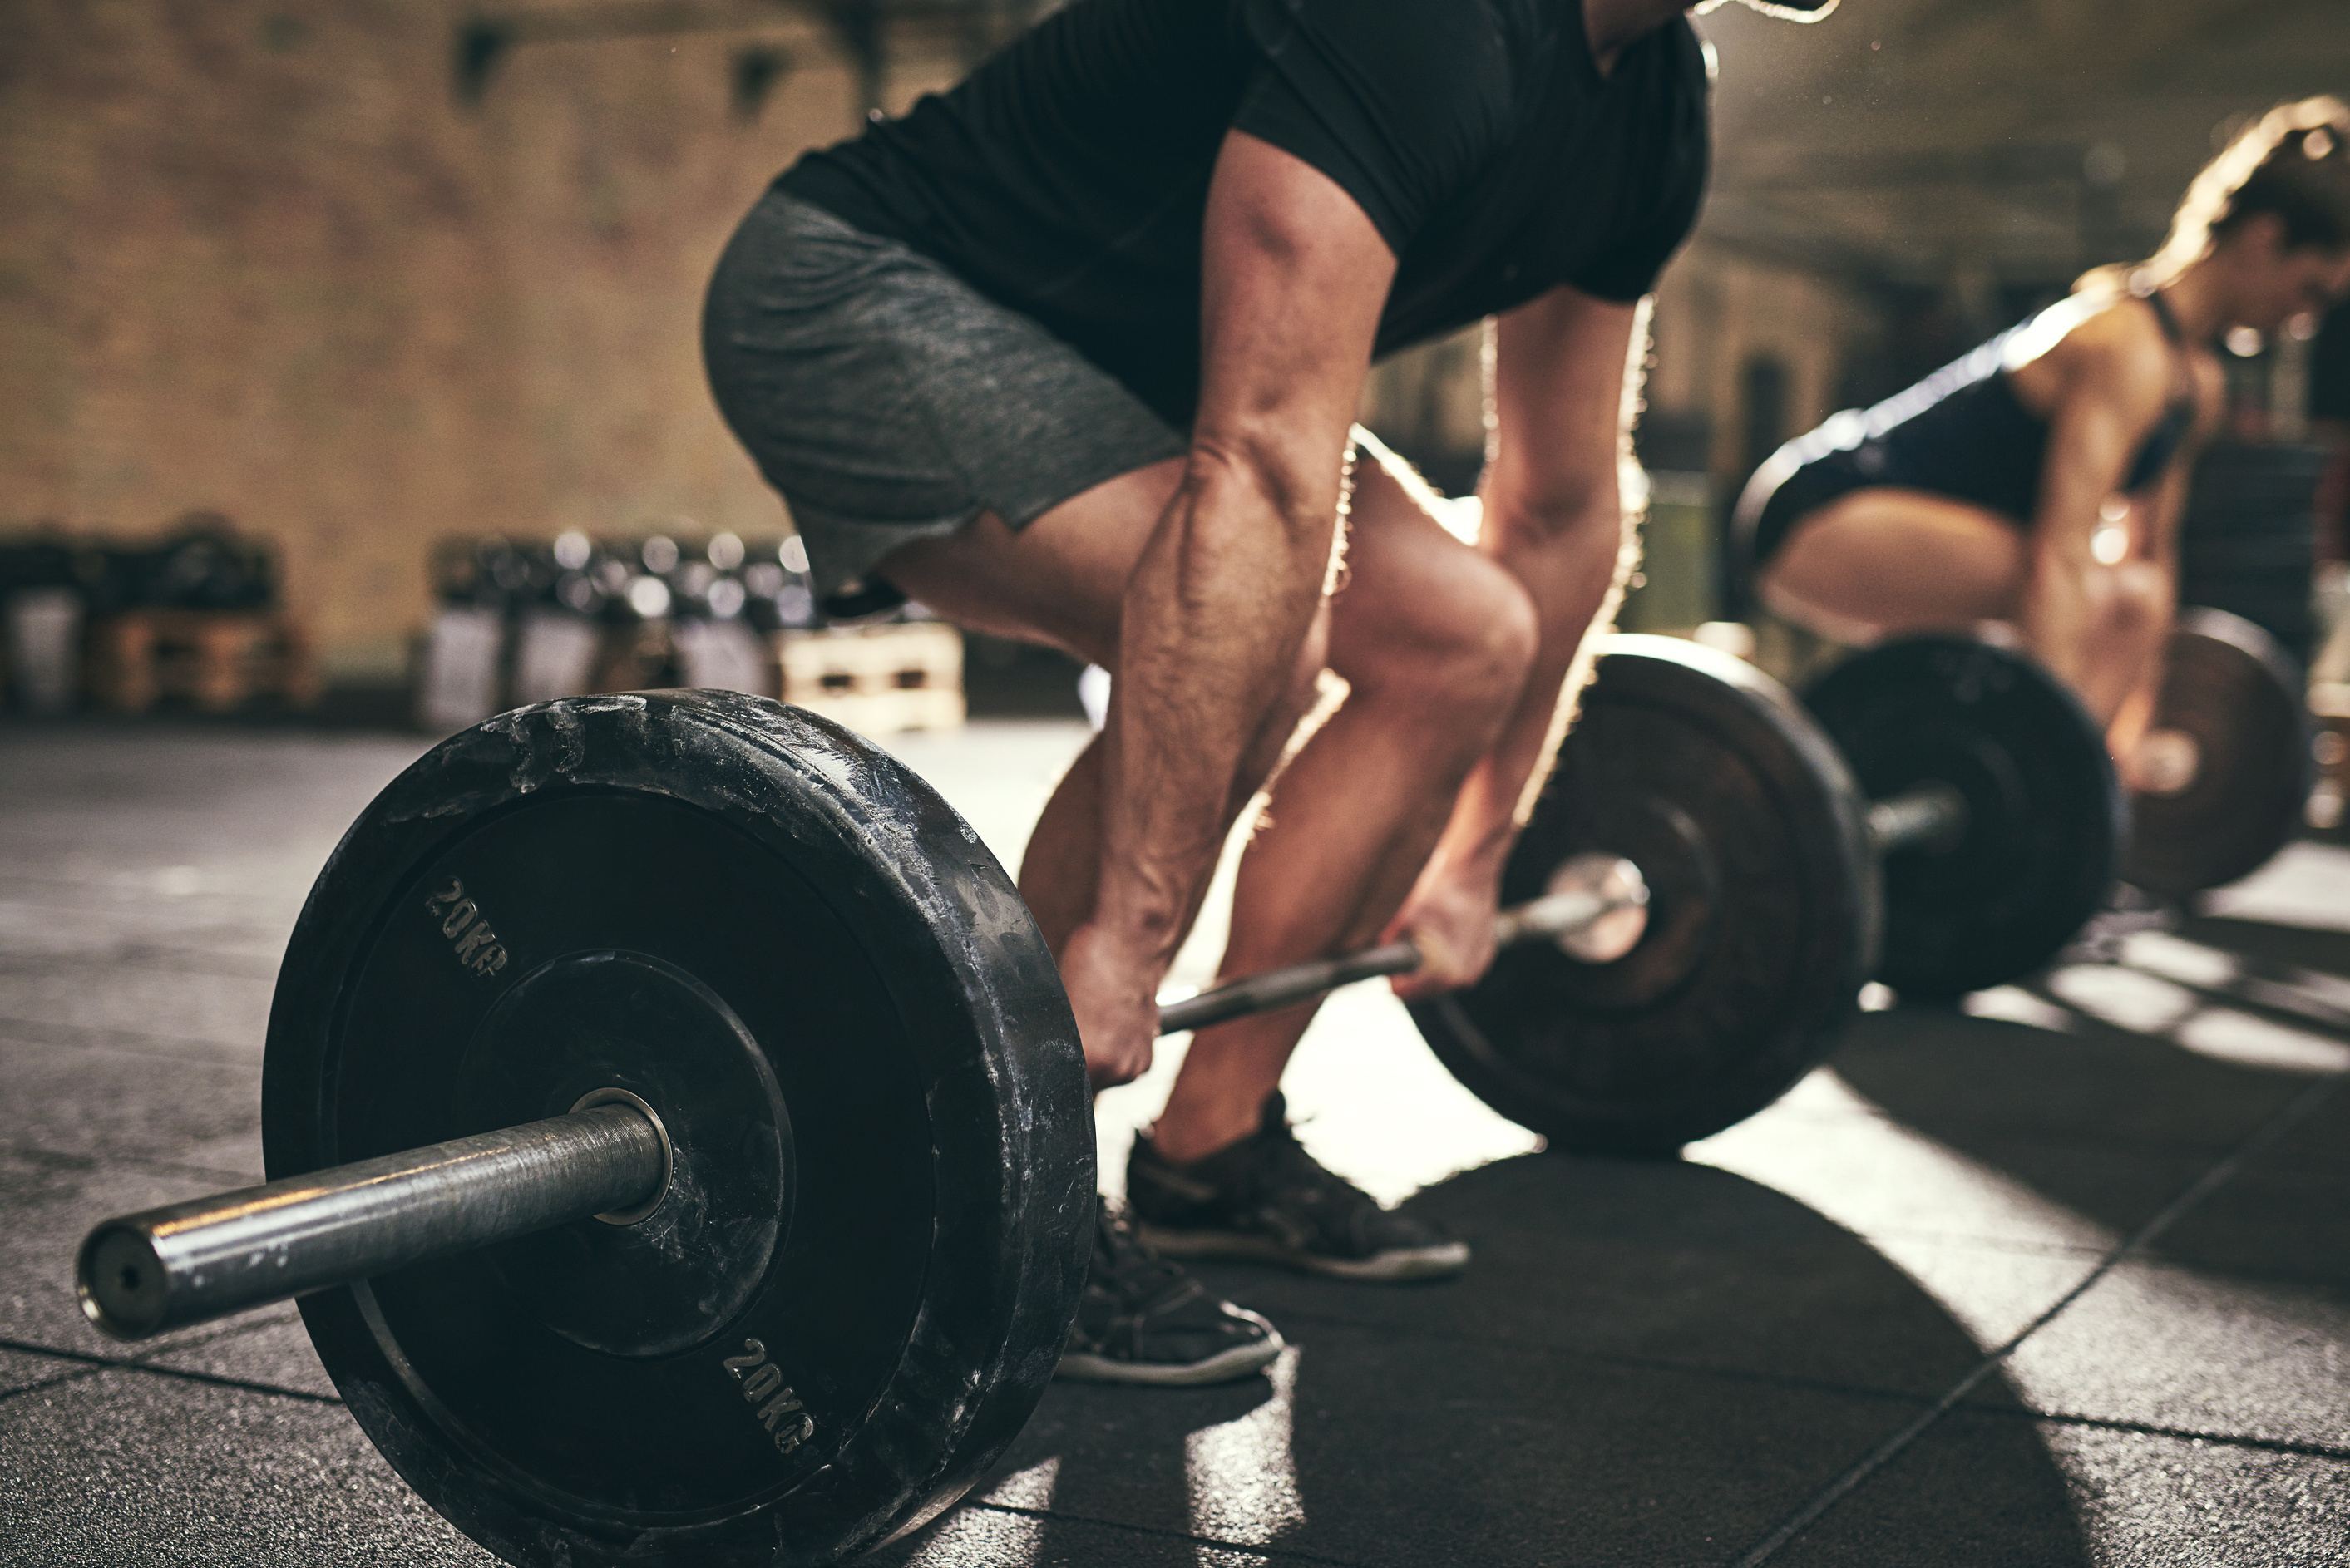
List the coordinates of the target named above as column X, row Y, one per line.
column 1648, row 1364
column 2141, row 1087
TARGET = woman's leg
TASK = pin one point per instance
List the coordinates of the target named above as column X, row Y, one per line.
column 1880, row 561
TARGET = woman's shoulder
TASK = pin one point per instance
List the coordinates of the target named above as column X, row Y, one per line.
column 2108, row 338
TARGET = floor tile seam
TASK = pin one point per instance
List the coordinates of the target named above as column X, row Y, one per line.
column 63, row 1160
column 1269, row 1553
column 147, row 1361
column 2260, row 1139
column 131, row 892
column 1967, row 1138
column 2298, row 1446
column 77, row 1375
column 1963, row 1241
column 144, row 957
column 2154, row 1259
column 244, row 1385
column 28, row 1033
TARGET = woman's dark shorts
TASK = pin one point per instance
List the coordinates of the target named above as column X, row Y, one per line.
column 888, row 401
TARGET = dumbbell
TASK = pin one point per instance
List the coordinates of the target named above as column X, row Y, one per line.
column 2226, row 767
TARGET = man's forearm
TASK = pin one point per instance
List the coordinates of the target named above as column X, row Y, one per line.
column 1215, row 619
column 1574, row 574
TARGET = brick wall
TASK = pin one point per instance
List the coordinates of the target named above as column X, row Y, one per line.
column 264, row 257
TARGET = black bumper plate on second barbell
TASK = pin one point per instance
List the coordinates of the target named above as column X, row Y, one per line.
column 2043, row 812
column 2237, row 694
column 858, row 1283
column 1702, row 770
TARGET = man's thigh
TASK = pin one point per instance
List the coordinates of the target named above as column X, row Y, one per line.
column 1412, row 594
column 1060, row 581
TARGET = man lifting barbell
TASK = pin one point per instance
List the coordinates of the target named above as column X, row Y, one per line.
column 2039, row 480
column 1071, row 353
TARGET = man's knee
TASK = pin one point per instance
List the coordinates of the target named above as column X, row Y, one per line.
column 1468, row 648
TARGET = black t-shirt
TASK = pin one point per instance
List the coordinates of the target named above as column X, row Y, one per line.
column 1067, row 177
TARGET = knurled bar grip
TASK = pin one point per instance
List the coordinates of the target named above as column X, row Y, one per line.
column 1550, row 917
column 1929, row 815
column 167, row 1268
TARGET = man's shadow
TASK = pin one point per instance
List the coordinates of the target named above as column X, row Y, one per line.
column 1646, row 1363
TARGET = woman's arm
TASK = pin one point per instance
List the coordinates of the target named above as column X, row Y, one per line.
column 2110, row 378
column 2154, row 544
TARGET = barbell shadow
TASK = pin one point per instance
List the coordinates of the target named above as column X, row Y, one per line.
column 1647, row 1362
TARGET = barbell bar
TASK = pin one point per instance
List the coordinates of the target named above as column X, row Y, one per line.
column 610, row 1157
column 848, row 1044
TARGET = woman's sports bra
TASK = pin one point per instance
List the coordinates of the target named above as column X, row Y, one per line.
column 1964, row 432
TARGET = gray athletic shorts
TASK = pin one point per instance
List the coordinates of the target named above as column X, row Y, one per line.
column 888, row 401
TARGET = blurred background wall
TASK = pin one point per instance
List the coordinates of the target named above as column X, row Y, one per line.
column 366, row 274
column 362, row 274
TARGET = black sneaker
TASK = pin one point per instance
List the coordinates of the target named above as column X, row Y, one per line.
column 1144, row 1320
column 1267, row 1198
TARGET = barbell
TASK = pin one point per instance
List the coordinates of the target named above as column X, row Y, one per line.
column 723, row 1194
column 2228, row 759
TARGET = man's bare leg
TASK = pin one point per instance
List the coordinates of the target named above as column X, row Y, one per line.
column 1059, row 582
column 1434, row 640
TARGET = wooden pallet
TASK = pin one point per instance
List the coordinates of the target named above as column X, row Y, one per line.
column 215, row 659
column 875, row 679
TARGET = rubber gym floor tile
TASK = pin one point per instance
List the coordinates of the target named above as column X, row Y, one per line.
column 1964, row 1080
column 2121, row 1500
column 2304, row 947
column 2302, row 887
column 1679, row 1264
column 270, row 1351
column 1388, row 1450
column 2290, row 1223
column 110, row 1104
column 129, row 1469
column 1885, row 1178
column 39, row 926
column 987, row 1537
column 226, row 1014
column 22, row 1370
column 2170, row 1347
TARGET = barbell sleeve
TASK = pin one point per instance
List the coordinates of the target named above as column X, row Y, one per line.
column 1925, row 816
column 146, row 1273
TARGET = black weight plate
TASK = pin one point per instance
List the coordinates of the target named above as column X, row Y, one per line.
column 2231, row 686
column 2043, row 812
column 784, row 942
column 1761, row 915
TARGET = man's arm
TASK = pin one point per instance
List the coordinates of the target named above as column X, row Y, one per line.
column 1295, row 277
column 1552, row 515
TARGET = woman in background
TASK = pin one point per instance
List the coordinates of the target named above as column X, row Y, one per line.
column 2038, row 481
